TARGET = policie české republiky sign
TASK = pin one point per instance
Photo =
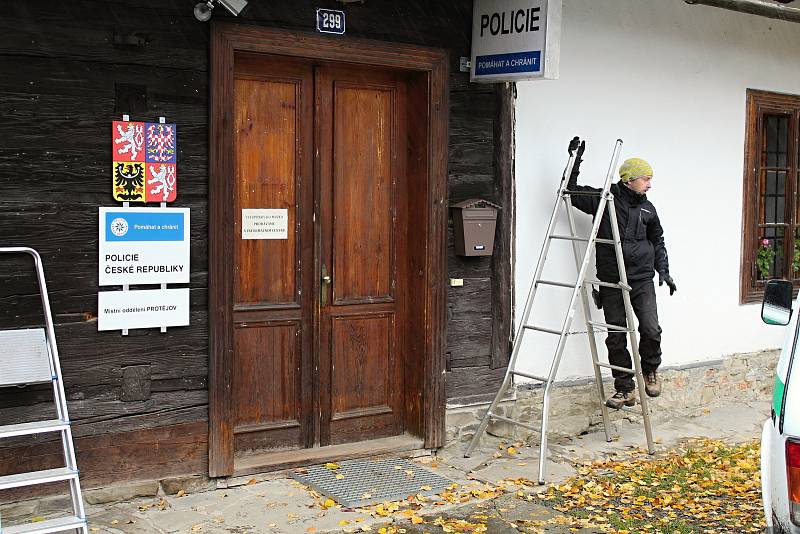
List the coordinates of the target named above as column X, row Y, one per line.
column 144, row 246
column 515, row 40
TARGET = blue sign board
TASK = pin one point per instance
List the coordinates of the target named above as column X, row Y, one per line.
column 137, row 226
column 507, row 63
column 330, row 21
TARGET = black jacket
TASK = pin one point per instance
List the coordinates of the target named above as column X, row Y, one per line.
column 639, row 228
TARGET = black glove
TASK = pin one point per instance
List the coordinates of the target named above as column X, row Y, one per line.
column 573, row 145
column 576, row 166
column 666, row 278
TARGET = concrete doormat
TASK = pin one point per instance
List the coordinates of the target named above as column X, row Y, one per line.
column 356, row 483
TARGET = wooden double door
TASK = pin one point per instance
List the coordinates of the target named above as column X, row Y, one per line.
column 320, row 308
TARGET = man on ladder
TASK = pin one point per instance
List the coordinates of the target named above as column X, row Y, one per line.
column 644, row 254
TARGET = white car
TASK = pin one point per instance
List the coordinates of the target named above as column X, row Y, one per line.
column 780, row 439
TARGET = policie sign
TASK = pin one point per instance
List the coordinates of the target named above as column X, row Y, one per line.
column 515, row 40
column 144, row 246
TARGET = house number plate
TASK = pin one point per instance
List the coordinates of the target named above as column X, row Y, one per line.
column 330, row 21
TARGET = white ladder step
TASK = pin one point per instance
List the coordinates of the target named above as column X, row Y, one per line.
column 555, row 283
column 542, row 329
column 611, row 327
column 36, row 427
column 513, row 422
column 59, row 524
column 617, row 285
column 582, row 239
column 616, row 368
column 37, row 477
column 526, row 375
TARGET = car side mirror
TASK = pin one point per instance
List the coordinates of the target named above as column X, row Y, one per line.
column 777, row 305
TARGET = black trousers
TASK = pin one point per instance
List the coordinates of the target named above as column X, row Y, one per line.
column 643, row 301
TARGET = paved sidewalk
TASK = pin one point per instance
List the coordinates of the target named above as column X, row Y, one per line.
column 278, row 504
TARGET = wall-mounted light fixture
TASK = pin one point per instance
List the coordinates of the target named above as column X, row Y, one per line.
column 202, row 10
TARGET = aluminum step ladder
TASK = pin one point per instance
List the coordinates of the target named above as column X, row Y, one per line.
column 579, row 290
column 30, row 356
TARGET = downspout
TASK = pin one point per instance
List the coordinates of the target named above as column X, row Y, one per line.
column 754, row 7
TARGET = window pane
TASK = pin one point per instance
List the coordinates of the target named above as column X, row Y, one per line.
column 773, row 197
column 770, row 255
column 775, row 141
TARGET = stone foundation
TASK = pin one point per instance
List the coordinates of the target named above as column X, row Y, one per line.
column 574, row 408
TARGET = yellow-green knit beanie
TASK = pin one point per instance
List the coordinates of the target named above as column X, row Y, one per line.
column 634, row 168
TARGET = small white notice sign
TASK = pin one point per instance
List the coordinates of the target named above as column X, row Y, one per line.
column 150, row 308
column 265, row 223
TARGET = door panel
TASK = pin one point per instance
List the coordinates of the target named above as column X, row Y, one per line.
column 360, row 140
column 362, row 355
column 266, row 126
column 267, row 396
column 272, row 382
column 363, row 193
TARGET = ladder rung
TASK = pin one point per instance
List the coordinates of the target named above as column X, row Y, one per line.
column 542, row 329
column 37, row 427
column 37, row 477
column 58, row 524
column 616, row 368
column 585, row 193
column 569, row 237
column 582, row 239
column 554, row 283
column 617, row 285
column 532, row 377
column 518, row 423
column 612, row 327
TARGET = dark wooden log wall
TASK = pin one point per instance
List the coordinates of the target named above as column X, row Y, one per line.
column 70, row 68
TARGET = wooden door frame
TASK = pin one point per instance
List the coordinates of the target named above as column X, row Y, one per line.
column 228, row 39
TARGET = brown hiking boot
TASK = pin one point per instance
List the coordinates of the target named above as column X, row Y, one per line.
column 652, row 384
column 620, row 399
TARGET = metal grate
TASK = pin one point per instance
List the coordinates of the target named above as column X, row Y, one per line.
column 365, row 482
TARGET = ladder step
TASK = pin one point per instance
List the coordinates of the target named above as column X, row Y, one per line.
column 532, row 377
column 37, row 477
column 612, row 327
column 569, row 237
column 554, row 283
column 37, row 427
column 617, row 285
column 542, row 329
column 59, row 524
column 583, row 193
column 616, row 368
column 582, row 239
column 518, row 423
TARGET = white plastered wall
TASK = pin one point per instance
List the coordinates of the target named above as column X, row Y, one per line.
column 670, row 79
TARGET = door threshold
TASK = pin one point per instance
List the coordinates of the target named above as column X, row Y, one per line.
column 403, row 445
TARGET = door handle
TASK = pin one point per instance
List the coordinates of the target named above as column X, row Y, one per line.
column 324, row 287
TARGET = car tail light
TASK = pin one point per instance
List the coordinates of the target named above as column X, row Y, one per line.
column 793, row 478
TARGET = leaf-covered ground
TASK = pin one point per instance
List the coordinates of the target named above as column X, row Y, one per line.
column 705, row 486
